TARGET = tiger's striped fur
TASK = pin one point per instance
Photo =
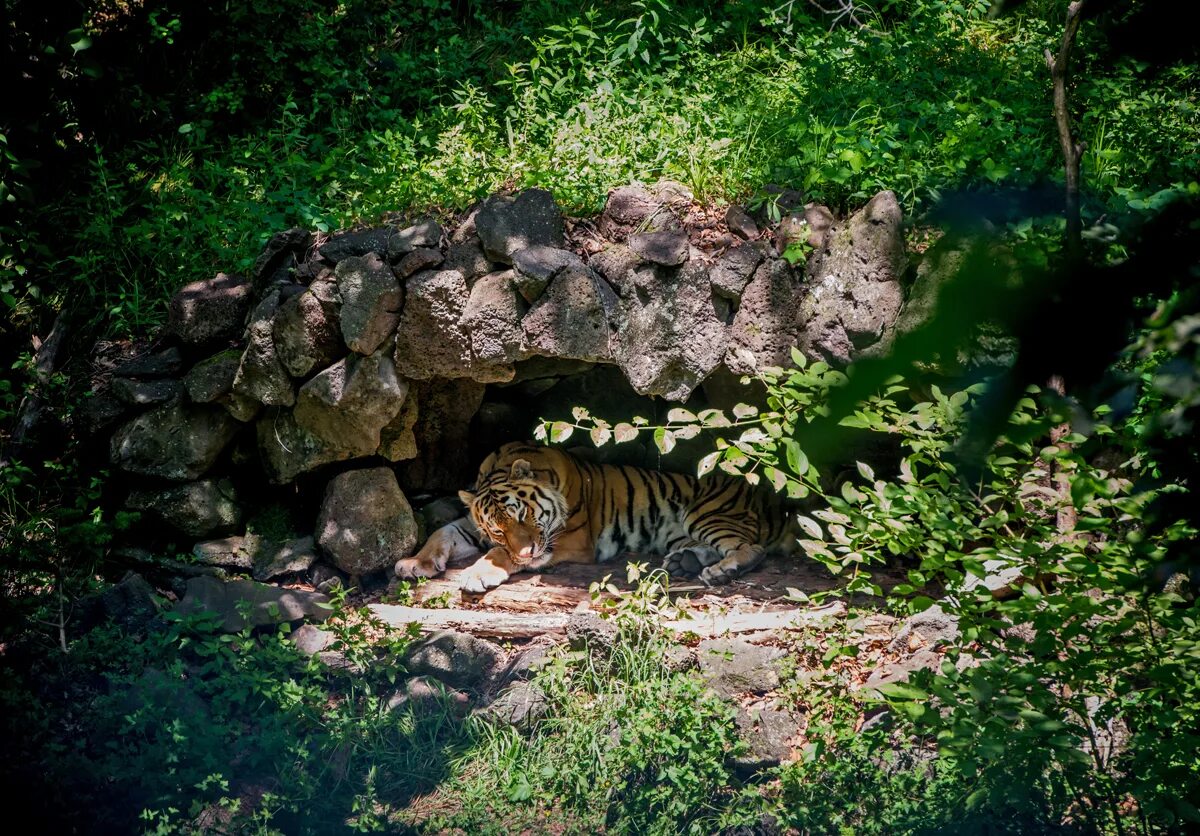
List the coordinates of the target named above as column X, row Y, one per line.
column 536, row 506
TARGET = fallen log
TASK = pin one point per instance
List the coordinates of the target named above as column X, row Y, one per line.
column 519, row 625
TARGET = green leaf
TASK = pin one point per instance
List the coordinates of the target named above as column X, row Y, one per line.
column 680, row 416
column 901, row 691
column 708, row 463
column 560, row 431
column 600, row 436
column 744, row 411
column 664, row 440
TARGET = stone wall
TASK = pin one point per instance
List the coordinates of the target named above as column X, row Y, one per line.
column 344, row 374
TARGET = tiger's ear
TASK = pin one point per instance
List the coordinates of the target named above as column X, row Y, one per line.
column 467, row 497
column 521, row 469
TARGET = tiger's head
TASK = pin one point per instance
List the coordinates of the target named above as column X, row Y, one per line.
column 516, row 510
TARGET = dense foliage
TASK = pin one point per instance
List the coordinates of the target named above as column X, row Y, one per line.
column 145, row 144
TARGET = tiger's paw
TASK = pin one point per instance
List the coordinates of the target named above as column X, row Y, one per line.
column 482, row 576
column 718, row 575
column 410, row 568
column 690, row 561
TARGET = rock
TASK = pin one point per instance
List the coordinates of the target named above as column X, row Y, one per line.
column 443, row 434
column 792, row 230
column 528, row 661
column 131, row 604
column 239, row 407
column 398, row 441
column 901, row 669
column 235, row 553
column 267, row 605
column 492, row 318
column 740, row 223
column 467, row 257
column 101, row 409
column 307, row 329
column 426, row 235
column 615, row 263
column 666, row 248
column 458, row 659
column 325, row 578
column 174, row 442
column 287, row 449
column 284, row 250
column 212, row 378
column 820, row 220
column 574, row 318
column 349, row 403
column 371, row 302
column 422, row 258
column 365, row 521
column 535, row 267
column 855, row 283
column 639, row 208
column 506, row 224
column 431, row 342
column 588, row 631
column 732, row 667
column 767, row 733
column 680, row 659
column 768, row 323
column 357, row 244
column 733, row 271
column 520, row 705
column 926, row 629
column 311, row 640
column 210, row 311
column 261, row 376
column 671, row 333
column 425, row 694
column 442, row 512
column 145, row 392
column 166, row 363
column 291, row 558
column 198, row 509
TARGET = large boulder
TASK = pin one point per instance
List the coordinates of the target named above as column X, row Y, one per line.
column 667, row 248
column 287, row 449
column 733, row 667
column 261, row 376
column 210, row 311
column 198, row 509
column 492, row 318
column 443, row 434
column 307, row 329
column 349, row 403
column 431, row 341
column 855, row 295
column 574, row 318
column 672, row 331
column 506, row 224
column 145, row 392
column 178, row 442
column 768, row 322
column 371, row 302
column 366, row 522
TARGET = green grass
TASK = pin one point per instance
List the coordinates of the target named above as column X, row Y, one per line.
column 582, row 99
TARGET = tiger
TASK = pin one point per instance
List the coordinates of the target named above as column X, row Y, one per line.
column 534, row 507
